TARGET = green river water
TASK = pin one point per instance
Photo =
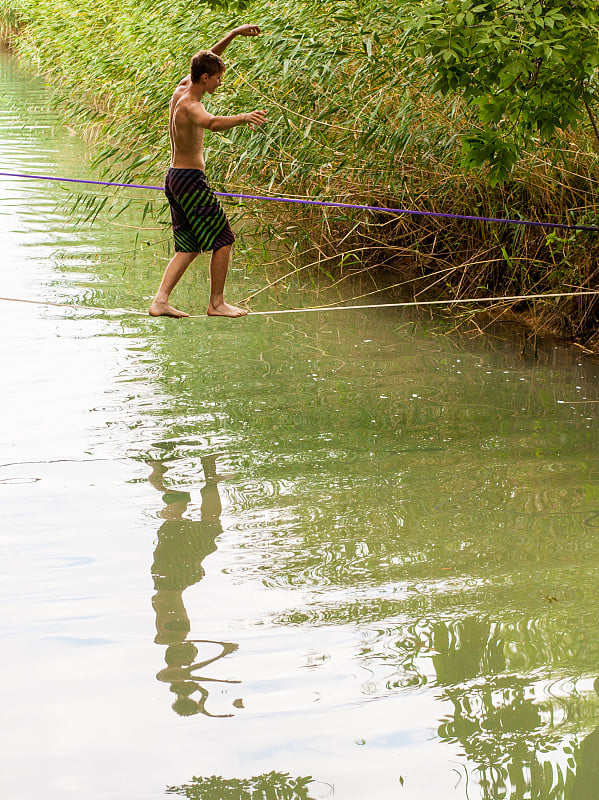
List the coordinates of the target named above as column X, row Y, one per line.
column 308, row 556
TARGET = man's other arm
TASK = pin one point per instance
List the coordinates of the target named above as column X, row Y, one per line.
column 203, row 119
column 242, row 30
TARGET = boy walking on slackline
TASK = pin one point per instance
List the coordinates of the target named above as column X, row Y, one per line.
column 199, row 222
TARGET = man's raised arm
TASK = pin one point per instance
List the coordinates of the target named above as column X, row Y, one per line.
column 242, row 30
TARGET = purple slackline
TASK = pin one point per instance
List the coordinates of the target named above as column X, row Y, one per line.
column 328, row 204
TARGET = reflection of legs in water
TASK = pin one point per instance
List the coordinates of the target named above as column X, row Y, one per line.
column 172, row 622
column 182, row 546
column 211, row 507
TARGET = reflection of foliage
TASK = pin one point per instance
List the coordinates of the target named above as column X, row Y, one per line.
column 270, row 786
column 492, row 721
column 584, row 785
column 514, row 734
column 532, row 778
column 502, row 732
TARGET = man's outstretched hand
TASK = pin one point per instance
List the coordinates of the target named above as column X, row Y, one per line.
column 247, row 30
column 255, row 118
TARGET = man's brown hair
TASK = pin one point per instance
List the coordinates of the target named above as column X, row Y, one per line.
column 205, row 62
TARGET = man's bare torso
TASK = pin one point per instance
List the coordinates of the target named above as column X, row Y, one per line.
column 187, row 137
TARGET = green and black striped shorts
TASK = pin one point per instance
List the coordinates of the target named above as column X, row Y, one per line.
column 199, row 222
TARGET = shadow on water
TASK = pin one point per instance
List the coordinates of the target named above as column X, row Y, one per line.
column 182, row 546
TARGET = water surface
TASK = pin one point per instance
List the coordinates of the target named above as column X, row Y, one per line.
column 237, row 556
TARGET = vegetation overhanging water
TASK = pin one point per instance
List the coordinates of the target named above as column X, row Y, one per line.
column 351, row 118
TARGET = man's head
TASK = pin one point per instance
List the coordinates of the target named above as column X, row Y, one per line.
column 208, row 65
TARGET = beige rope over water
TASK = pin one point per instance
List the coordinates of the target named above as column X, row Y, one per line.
column 405, row 304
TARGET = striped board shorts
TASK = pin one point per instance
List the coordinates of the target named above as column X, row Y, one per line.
column 199, row 222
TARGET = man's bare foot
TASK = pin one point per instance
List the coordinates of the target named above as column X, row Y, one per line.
column 161, row 309
column 225, row 310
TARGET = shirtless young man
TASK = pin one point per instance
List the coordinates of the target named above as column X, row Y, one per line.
column 199, row 222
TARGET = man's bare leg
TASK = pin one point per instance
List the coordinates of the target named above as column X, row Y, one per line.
column 219, row 264
column 172, row 274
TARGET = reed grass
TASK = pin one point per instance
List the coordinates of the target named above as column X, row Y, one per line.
column 350, row 119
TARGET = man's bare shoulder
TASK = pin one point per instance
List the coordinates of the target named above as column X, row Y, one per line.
column 181, row 87
column 185, row 108
column 186, row 102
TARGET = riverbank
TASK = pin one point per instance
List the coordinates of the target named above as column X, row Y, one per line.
column 351, row 121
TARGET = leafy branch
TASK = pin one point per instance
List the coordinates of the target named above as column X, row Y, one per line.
column 528, row 69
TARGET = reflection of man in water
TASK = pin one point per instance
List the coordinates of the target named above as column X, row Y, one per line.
column 182, row 546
